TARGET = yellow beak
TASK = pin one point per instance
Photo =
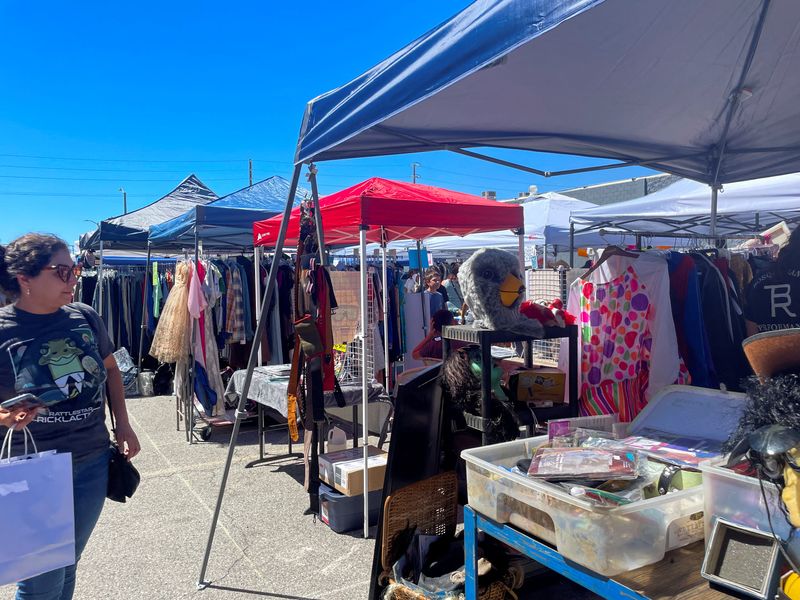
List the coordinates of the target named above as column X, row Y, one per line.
column 511, row 290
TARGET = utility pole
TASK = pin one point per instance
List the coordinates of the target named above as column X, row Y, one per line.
column 250, row 162
column 414, row 166
column 124, row 201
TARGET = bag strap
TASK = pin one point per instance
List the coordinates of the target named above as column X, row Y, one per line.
column 26, row 434
column 107, row 395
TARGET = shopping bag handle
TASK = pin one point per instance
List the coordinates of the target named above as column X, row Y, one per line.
column 26, row 434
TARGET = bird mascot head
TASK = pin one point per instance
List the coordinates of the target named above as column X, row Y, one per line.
column 493, row 289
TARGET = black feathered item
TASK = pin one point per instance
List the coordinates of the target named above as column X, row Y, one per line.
column 463, row 388
column 776, row 401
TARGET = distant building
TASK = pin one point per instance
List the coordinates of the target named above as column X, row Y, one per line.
column 619, row 191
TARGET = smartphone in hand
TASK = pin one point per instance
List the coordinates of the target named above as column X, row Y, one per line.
column 26, row 402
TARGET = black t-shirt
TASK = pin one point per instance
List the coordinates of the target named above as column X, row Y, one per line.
column 773, row 300
column 58, row 358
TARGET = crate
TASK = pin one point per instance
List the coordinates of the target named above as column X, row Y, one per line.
column 608, row 541
column 737, row 498
column 346, row 513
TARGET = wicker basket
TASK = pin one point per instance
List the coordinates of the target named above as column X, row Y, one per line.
column 495, row 591
column 431, row 506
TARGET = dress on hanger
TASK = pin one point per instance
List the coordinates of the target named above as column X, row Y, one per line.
column 628, row 347
column 171, row 340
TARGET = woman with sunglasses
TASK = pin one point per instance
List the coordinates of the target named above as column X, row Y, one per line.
column 60, row 352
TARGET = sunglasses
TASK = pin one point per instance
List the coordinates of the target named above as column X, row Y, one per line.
column 65, row 271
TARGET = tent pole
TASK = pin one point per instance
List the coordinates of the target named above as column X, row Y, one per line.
column 571, row 246
column 521, row 252
column 386, row 379
column 192, row 357
column 712, row 229
column 364, row 332
column 257, row 269
column 100, row 310
column 144, row 305
column 422, row 287
column 312, row 178
column 240, row 412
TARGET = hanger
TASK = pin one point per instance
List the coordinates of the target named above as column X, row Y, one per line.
column 608, row 253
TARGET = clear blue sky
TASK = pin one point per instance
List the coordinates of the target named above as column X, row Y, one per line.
column 101, row 95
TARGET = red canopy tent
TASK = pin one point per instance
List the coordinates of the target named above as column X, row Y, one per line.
column 405, row 211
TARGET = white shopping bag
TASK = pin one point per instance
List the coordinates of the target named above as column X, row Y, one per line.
column 38, row 514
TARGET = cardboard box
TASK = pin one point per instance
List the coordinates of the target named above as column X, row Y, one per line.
column 540, row 386
column 344, row 470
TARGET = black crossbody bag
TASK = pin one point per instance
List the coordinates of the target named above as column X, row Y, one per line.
column 123, row 478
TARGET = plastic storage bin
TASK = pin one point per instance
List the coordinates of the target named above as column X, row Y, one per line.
column 346, row 513
column 737, row 498
column 615, row 540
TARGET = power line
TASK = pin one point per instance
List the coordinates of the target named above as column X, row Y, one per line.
column 86, row 169
column 115, row 179
column 128, row 160
column 57, row 194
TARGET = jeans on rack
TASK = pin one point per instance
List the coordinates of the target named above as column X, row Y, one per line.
column 90, row 483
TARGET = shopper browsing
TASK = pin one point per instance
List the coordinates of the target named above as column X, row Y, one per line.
column 59, row 352
column 453, row 288
column 433, row 283
column 431, row 347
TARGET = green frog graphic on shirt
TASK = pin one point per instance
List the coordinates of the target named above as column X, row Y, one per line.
column 62, row 357
column 67, row 368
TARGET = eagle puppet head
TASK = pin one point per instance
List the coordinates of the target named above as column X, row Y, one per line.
column 493, row 289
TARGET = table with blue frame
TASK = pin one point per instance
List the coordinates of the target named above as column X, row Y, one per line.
column 676, row 576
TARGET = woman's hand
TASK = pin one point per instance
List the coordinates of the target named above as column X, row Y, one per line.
column 17, row 417
column 127, row 441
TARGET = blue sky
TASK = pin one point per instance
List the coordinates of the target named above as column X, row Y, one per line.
column 101, row 95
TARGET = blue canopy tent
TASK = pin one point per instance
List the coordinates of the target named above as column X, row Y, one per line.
column 228, row 221
column 706, row 90
column 223, row 224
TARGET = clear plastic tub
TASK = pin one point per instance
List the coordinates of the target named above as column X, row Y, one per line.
column 608, row 541
column 737, row 498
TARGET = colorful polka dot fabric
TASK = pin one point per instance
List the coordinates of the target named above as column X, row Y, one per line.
column 616, row 339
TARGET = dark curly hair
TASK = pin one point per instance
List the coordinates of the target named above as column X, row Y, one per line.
column 27, row 255
column 773, row 401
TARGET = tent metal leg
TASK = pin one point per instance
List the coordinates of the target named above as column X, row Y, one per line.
column 257, row 272
column 521, row 252
column 387, row 384
column 571, row 246
column 144, row 306
column 422, row 288
column 312, row 179
column 712, row 227
column 240, row 412
column 192, row 359
column 100, row 310
column 364, row 382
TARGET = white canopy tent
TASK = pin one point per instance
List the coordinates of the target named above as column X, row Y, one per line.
column 682, row 210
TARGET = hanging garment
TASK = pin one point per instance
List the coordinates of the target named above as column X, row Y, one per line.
column 687, row 314
column 171, row 340
column 627, row 342
column 724, row 323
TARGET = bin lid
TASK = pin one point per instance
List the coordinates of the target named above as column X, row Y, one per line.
column 687, row 413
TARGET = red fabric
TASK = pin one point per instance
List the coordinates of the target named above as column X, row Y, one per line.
column 537, row 312
column 407, row 211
